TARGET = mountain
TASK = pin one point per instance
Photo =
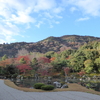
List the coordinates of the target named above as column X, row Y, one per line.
column 49, row 44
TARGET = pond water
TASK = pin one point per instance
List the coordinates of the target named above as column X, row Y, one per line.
column 93, row 84
column 88, row 83
column 30, row 82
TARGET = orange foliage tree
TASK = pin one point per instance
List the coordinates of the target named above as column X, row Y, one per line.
column 26, row 58
column 6, row 62
column 53, row 58
column 81, row 73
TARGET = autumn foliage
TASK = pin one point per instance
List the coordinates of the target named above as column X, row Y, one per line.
column 53, row 58
column 24, row 68
column 68, row 57
column 44, row 60
column 66, row 70
column 81, row 73
column 6, row 62
column 26, row 58
column 45, row 72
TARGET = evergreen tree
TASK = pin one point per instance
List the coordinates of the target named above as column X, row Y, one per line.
column 4, row 57
column 34, row 64
column 97, row 63
column 88, row 66
column 22, row 61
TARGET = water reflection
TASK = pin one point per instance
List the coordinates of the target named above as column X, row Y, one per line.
column 93, row 83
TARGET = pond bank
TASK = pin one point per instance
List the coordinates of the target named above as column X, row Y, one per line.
column 8, row 93
column 71, row 87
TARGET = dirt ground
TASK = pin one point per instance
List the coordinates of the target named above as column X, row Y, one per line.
column 71, row 87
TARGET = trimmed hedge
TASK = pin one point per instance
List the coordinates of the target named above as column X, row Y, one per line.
column 47, row 87
column 38, row 85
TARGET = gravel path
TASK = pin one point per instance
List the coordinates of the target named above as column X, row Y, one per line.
column 8, row 93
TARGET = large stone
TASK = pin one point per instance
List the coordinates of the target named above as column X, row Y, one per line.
column 65, row 86
column 57, row 84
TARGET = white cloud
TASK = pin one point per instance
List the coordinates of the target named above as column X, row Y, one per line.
column 48, row 15
column 4, row 10
column 59, row 16
column 7, row 32
column 38, row 25
column 22, row 18
column 28, row 26
column 56, row 22
column 25, row 13
column 83, row 19
column 44, row 5
column 12, row 14
column 72, row 9
column 13, row 11
column 58, row 10
column 51, row 26
column 91, row 7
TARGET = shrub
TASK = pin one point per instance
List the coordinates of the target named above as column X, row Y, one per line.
column 47, row 87
column 38, row 85
column 88, row 85
column 62, row 83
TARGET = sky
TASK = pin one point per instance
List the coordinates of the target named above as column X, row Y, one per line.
column 35, row 20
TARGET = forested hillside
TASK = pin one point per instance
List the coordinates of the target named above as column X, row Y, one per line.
column 86, row 59
column 49, row 44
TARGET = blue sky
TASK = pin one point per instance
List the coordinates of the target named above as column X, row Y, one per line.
column 35, row 20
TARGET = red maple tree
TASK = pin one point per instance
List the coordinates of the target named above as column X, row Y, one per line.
column 66, row 70
column 24, row 68
column 81, row 73
column 44, row 60
column 26, row 58
column 53, row 58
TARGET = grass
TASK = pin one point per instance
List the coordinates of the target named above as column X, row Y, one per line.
column 71, row 87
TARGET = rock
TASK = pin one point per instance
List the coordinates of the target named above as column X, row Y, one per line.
column 49, row 82
column 65, row 86
column 18, row 81
column 66, row 80
column 21, row 77
column 18, row 77
column 57, row 84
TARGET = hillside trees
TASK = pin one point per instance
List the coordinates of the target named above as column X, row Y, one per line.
column 91, row 54
column 10, row 70
column 66, row 70
column 4, row 57
column 88, row 66
column 97, row 64
column 6, row 62
column 77, row 60
column 44, row 62
column 23, row 59
column 24, row 68
column 66, row 53
column 58, row 64
column 86, row 58
column 54, row 44
column 22, row 52
column 45, row 67
column 7, row 67
column 34, row 64
column 74, row 65
column 49, row 54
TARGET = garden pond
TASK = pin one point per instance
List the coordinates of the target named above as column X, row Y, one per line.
column 86, row 82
